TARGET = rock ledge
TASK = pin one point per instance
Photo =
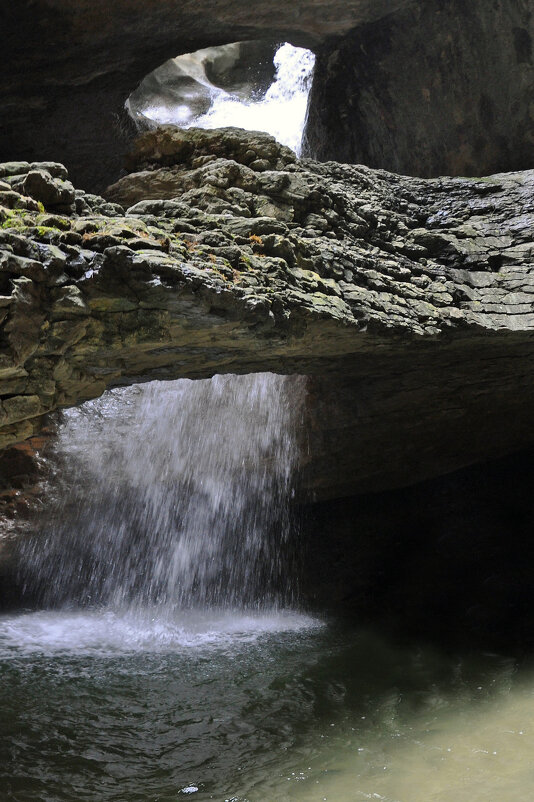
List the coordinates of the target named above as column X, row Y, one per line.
column 410, row 301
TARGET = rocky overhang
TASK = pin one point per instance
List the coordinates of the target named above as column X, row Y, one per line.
column 408, row 302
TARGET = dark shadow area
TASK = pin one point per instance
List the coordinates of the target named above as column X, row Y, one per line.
column 438, row 88
column 448, row 561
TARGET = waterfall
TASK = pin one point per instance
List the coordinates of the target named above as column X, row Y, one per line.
column 177, row 495
column 174, row 494
column 281, row 112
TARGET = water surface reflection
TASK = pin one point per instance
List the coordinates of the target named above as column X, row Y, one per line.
column 283, row 707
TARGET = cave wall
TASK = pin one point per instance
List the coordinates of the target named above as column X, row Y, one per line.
column 68, row 68
column 424, row 88
column 393, row 420
column 448, row 560
column 440, row 88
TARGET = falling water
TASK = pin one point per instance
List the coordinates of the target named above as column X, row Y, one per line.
column 173, row 494
column 169, row 507
column 281, row 112
column 176, row 496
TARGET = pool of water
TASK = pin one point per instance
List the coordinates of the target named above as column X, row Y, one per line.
column 252, row 707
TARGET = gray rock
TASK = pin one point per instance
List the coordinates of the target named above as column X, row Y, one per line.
column 409, row 303
column 51, row 192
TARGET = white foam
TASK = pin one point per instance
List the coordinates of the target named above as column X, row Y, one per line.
column 281, row 112
column 107, row 632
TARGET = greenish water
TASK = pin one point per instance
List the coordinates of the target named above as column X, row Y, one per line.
column 252, row 707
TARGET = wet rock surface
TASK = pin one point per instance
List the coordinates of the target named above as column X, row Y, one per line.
column 408, row 301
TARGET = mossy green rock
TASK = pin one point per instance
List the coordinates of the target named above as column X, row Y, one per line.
column 409, row 302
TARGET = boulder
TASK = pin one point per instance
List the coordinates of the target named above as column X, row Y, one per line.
column 53, row 193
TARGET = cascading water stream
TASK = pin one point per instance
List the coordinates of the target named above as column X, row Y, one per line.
column 173, row 495
column 160, row 662
column 281, row 111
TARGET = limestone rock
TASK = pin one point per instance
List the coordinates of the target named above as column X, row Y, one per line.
column 52, row 192
column 82, row 60
column 168, row 145
column 409, row 302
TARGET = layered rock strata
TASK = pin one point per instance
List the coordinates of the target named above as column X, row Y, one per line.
column 409, row 302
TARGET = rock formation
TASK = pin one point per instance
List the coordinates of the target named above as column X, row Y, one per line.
column 408, row 301
column 439, row 88
column 448, row 560
column 82, row 60
column 424, row 87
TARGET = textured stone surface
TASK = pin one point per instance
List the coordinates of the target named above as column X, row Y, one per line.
column 438, row 88
column 410, row 302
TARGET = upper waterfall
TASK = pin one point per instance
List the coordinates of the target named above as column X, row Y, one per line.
column 198, row 102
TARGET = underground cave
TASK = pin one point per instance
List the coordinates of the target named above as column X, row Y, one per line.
column 266, row 391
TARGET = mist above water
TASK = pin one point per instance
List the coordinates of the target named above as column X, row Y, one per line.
column 173, row 495
column 110, row 633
